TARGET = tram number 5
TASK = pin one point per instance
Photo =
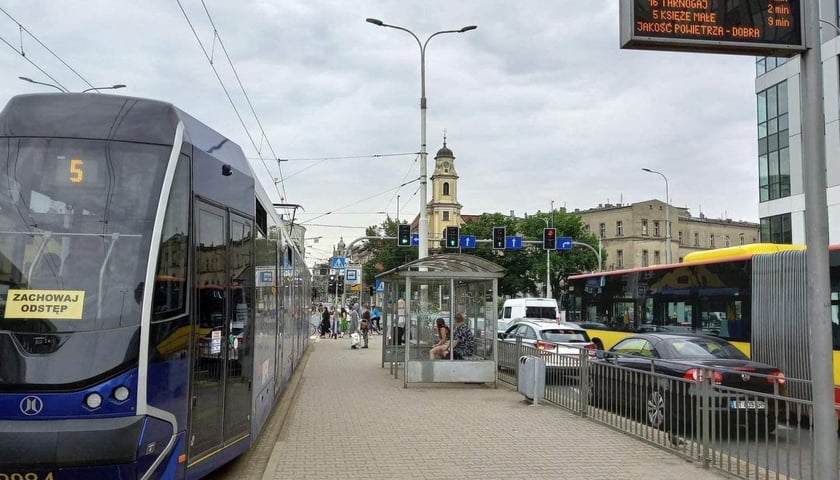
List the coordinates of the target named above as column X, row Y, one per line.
column 77, row 174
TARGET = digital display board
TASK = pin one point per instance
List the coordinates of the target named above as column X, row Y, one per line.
column 76, row 171
column 746, row 27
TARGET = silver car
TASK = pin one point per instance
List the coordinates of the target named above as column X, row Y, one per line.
column 558, row 343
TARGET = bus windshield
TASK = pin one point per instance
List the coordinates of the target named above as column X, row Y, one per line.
column 75, row 224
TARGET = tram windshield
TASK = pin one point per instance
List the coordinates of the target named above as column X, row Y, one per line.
column 75, row 224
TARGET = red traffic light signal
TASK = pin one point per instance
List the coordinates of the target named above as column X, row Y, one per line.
column 549, row 239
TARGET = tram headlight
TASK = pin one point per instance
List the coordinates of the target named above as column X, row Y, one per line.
column 121, row 393
column 93, row 401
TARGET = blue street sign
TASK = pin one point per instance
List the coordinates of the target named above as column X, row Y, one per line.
column 339, row 263
column 415, row 239
column 352, row 275
column 513, row 243
column 380, row 286
column 265, row 277
column 564, row 243
column 467, row 241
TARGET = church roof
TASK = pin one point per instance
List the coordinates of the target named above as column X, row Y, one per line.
column 444, row 152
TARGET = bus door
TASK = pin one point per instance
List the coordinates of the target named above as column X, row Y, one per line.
column 623, row 314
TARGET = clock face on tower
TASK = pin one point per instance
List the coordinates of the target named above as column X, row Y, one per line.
column 445, row 164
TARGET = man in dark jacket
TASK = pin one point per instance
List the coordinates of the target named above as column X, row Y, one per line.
column 325, row 321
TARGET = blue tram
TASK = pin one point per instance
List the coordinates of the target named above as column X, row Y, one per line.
column 152, row 305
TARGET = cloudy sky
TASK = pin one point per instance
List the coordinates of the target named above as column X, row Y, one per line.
column 539, row 104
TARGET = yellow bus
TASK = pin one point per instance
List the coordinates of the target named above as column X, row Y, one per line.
column 754, row 296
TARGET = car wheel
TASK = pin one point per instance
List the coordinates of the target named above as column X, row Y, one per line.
column 655, row 410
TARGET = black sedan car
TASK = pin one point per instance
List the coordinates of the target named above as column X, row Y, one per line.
column 660, row 377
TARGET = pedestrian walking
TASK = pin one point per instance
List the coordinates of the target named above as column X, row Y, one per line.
column 325, row 322
column 343, row 323
column 400, row 327
column 376, row 319
column 365, row 326
column 354, row 319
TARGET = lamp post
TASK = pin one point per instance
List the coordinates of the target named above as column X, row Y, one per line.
column 112, row 87
column 667, row 215
column 423, row 229
column 27, row 79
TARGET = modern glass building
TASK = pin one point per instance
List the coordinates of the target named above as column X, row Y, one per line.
column 781, row 205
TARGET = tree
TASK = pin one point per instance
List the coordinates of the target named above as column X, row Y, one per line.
column 562, row 263
column 386, row 253
column 525, row 269
column 515, row 262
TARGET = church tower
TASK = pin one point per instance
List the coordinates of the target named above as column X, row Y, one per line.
column 444, row 209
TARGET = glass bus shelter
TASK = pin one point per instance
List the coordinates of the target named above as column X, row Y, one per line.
column 440, row 286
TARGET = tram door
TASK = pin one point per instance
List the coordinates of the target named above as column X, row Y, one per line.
column 220, row 383
column 241, row 276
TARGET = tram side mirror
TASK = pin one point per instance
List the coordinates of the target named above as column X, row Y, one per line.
column 227, row 170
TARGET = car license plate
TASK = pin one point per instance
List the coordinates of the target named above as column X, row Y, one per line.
column 26, row 476
column 747, row 404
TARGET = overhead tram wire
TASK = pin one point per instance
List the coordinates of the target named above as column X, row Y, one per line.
column 325, row 225
column 320, row 160
column 22, row 53
column 346, row 157
column 303, row 222
column 248, row 100
column 33, row 64
column 224, row 88
column 410, row 168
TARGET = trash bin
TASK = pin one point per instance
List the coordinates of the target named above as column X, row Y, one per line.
column 531, row 379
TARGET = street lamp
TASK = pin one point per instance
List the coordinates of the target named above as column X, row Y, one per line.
column 423, row 229
column 667, row 215
column 27, row 79
column 112, row 87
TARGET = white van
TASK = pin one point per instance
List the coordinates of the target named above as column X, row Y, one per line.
column 528, row 308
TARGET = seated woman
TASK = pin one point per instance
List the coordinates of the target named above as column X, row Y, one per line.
column 463, row 342
column 440, row 348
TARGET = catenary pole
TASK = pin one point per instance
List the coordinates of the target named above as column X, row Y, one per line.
column 816, row 240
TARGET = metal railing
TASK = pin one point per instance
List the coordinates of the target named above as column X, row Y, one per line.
column 742, row 432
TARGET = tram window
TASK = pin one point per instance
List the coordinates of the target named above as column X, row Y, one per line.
column 170, row 289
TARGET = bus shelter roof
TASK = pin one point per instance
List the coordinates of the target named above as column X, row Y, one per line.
column 448, row 265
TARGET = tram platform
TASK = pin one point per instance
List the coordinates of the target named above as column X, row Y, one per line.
column 346, row 417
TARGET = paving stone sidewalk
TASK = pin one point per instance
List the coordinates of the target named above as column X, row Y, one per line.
column 352, row 419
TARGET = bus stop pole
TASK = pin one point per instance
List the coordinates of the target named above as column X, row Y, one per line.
column 816, row 240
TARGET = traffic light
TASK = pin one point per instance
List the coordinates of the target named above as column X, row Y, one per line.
column 341, row 284
column 331, row 284
column 549, row 239
column 404, row 235
column 499, row 238
column 452, row 234
column 371, row 290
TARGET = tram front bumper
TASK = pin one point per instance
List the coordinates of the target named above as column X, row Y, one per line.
column 66, row 443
